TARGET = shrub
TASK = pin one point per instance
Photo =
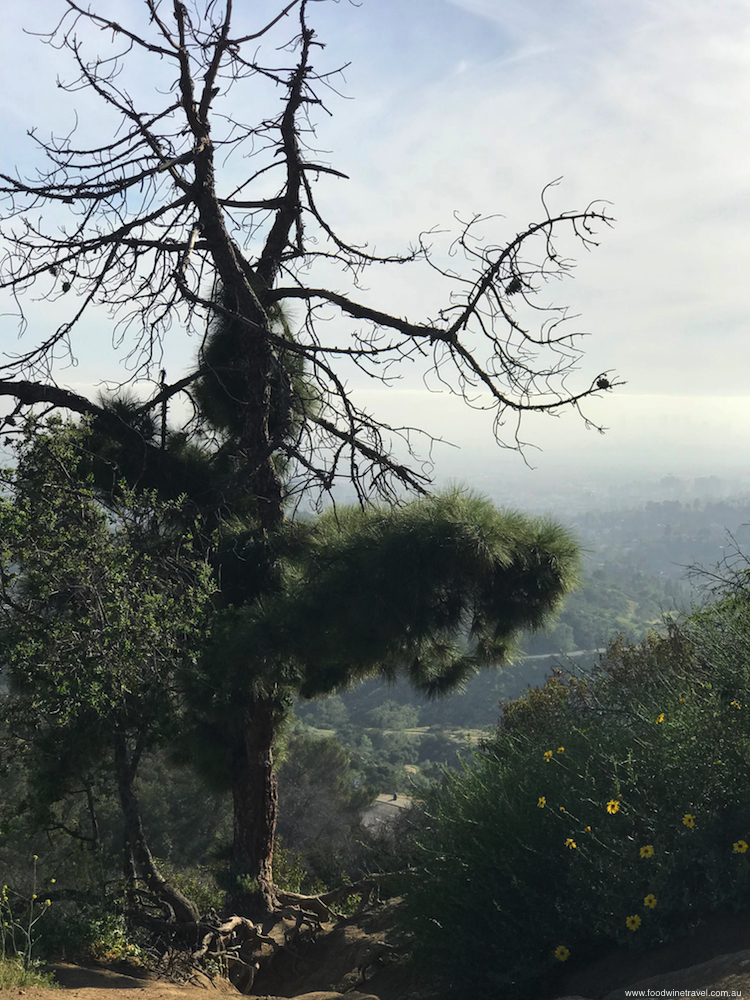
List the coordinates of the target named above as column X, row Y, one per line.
column 14, row 973
column 605, row 809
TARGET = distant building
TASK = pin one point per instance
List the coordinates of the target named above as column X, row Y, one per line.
column 671, row 484
column 708, row 486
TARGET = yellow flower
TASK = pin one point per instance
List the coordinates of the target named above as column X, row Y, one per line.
column 660, row 718
column 735, row 704
column 561, row 749
column 740, row 847
column 650, row 901
column 48, row 902
column 633, row 923
column 688, row 820
column 542, row 802
column 36, row 857
column 613, row 806
column 561, row 953
column 588, row 829
column 548, row 755
column 34, row 896
column 571, row 843
column 647, row 851
column 682, row 701
column 562, row 809
column 53, row 880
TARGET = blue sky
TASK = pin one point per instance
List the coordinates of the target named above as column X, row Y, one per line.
column 473, row 106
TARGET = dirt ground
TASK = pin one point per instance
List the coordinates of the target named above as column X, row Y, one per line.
column 88, row 983
column 346, row 966
column 352, row 957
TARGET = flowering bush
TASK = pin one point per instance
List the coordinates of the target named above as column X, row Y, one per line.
column 627, row 836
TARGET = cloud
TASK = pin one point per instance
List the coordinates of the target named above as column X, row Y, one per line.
column 642, row 103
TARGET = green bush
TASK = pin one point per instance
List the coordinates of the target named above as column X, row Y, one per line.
column 200, row 883
column 104, row 937
column 14, row 973
column 605, row 809
column 289, row 871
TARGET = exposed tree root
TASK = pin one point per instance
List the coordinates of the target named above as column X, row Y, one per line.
column 238, row 947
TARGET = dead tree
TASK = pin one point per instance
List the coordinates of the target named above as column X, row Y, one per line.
column 158, row 215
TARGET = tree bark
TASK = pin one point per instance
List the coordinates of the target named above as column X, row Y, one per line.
column 135, row 840
column 255, row 798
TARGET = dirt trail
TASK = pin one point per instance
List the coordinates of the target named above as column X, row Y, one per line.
column 98, row 983
column 350, row 958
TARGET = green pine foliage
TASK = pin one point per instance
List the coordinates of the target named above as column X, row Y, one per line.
column 432, row 591
column 220, row 391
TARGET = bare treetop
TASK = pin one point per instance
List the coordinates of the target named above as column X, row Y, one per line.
column 157, row 217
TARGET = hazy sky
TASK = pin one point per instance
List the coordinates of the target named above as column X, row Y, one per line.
column 473, row 106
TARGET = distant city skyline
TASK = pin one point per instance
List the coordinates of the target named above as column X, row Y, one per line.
column 647, row 438
column 645, row 434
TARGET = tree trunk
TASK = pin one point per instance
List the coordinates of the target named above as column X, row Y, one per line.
column 255, row 797
column 256, row 359
column 135, row 840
